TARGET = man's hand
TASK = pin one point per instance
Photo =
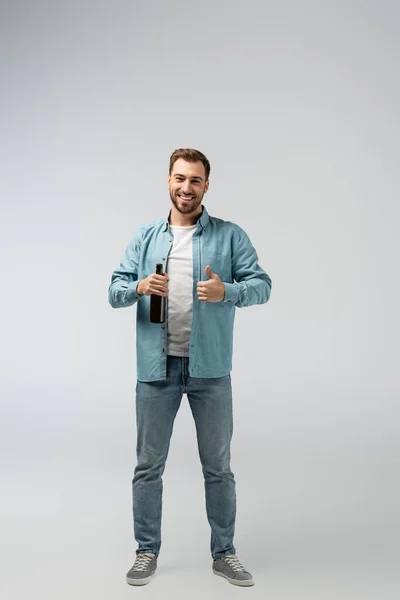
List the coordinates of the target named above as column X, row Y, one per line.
column 212, row 290
column 153, row 284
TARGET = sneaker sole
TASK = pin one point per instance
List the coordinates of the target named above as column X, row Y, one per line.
column 242, row 583
column 142, row 581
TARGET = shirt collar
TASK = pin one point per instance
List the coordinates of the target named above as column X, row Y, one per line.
column 203, row 219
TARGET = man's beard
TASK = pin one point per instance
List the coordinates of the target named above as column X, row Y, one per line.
column 185, row 209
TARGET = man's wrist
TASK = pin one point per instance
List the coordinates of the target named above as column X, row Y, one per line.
column 138, row 290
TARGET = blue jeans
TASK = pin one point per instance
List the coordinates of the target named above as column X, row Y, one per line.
column 157, row 404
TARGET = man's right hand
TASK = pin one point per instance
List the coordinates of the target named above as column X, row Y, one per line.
column 153, row 284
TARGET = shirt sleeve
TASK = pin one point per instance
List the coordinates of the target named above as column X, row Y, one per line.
column 252, row 285
column 123, row 287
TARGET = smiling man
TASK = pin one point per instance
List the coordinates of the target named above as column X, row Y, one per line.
column 210, row 268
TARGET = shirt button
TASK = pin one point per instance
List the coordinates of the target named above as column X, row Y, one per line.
column 170, row 240
column 162, row 326
column 163, row 350
column 163, row 258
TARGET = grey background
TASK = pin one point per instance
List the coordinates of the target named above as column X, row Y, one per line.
column 296, row 104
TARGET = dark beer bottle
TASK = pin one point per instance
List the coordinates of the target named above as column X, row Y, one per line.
column 157, row 303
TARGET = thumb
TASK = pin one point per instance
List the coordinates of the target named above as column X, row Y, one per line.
column 209, row 272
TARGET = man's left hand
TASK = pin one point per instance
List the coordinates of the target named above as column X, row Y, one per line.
column 212, row 290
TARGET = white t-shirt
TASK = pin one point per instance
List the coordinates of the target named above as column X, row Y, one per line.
column 180, row 290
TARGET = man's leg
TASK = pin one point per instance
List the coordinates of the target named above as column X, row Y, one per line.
column 156, row 406
column 211, row 404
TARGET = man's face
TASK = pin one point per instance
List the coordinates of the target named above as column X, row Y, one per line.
column 187, row 185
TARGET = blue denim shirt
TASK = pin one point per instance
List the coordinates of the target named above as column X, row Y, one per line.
column 228, row 250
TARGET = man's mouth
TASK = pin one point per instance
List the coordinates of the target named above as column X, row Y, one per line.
column 185, row 198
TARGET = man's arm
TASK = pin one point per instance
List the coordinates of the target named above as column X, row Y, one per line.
column 124, row 281
column 251, row 284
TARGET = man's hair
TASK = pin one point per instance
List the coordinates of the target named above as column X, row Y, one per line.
column 190, row 155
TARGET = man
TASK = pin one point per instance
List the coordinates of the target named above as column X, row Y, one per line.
column 210, row 267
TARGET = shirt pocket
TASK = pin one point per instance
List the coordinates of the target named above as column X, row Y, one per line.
column 222, row 265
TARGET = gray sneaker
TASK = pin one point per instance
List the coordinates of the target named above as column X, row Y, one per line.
column 228, row 566
column 143, row 570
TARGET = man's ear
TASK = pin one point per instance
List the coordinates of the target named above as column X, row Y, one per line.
column 207, row 183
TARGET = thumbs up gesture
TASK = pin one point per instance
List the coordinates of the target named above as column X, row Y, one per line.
column 212, row 290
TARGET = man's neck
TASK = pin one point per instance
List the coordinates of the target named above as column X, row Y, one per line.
column 177, row 218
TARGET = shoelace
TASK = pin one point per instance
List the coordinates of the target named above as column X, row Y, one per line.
column 142, row 561
column 233, row 562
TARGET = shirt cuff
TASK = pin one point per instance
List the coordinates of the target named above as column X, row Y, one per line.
column 231, row 293
column 131, row 291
